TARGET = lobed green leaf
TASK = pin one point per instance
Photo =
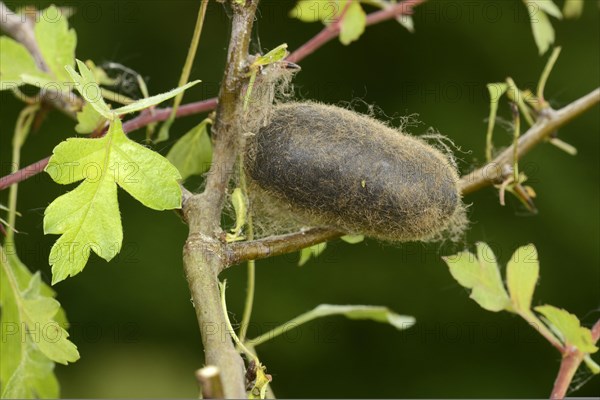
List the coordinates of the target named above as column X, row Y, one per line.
column 88, row 217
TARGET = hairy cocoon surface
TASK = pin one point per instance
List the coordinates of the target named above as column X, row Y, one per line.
column 333, row 167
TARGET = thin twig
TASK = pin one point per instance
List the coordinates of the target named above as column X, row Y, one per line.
column 277, row 245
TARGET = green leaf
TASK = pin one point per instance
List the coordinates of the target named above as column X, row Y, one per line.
column 40, row 309
column 572, row 9
column 88, row 119
column 546, row 6
column 90, row 90
column 312, row 251
column 15, row 60
column 353, row 239
column 353, row 23
column 56, row 42
column 192, row 153
column 88, row 217
column 241, row 213
column 33, row 378
column 481, row 274
column 374, row 313
column 33, row 334
column 152, row 101
column 407, row 22
column 358, row 312
column 543, row 32
column 312, row 11
column 569, row 327
column 277, row 54
column 522, row 273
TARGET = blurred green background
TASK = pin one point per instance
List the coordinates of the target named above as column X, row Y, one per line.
column 132, row 318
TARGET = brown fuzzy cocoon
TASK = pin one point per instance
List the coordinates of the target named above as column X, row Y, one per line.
column 329, row 166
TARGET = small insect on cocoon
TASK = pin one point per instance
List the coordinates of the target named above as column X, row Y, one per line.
column 333, row 167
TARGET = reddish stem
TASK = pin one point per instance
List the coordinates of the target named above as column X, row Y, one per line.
column 568, row 366
column 572, row 357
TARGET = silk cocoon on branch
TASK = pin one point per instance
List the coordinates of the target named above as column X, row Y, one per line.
column 329, row 166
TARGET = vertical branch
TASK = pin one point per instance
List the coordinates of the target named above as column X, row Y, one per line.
column 203, row 252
